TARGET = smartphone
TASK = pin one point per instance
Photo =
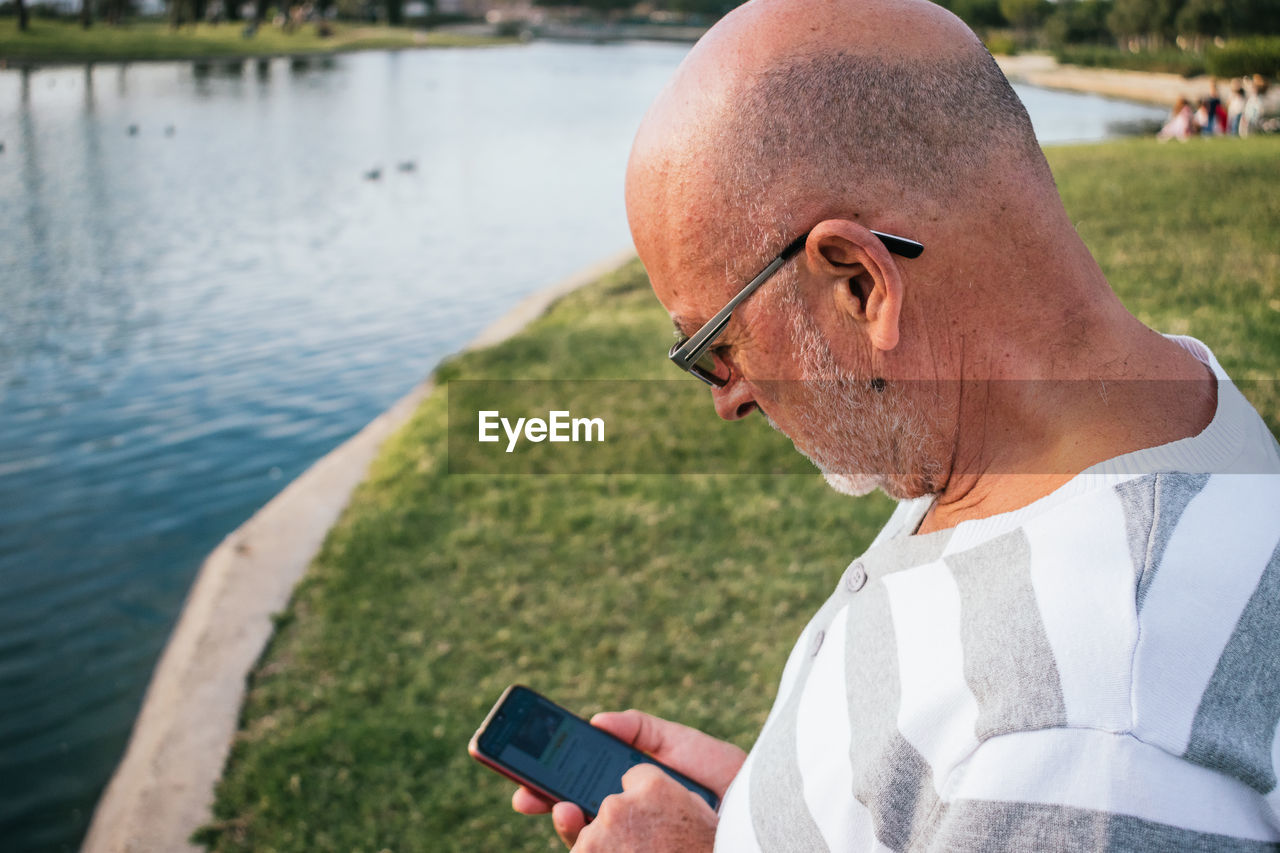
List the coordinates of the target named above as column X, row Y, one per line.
column 534, row 741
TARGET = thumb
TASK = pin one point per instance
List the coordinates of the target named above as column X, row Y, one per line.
column 641, row 730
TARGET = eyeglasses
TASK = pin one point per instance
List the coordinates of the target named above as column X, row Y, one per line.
column 692, row 353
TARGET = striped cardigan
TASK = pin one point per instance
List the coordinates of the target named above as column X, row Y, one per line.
column 1099, row 670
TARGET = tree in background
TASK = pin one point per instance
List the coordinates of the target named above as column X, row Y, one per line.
column 395, row 12
column 978, row 14
column 1148, row 22
column 114, row 11
column 22, row 16
column 593, row 5
column 1201, row 18
column 186, row 12
column 1159, row 22
column 711, row 9
column 1241, row 18
column 1025, row 15
column 1078, row 22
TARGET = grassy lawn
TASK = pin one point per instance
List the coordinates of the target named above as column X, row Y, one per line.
column 64, row 41
column 680, row 594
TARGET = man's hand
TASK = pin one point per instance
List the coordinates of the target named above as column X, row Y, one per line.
column 651, row 800
column 653, row 814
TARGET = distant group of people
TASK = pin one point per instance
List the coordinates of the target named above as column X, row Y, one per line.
column 1239, row 116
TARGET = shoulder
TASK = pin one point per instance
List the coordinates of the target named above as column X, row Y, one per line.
column 1206, row 668
column 1142, row 629
column 1150, row 607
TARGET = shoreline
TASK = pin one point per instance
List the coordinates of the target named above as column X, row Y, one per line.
column 151, row 41
column 1034, row 69
column 163, row 788
column 236, row 59
column 1148, row 87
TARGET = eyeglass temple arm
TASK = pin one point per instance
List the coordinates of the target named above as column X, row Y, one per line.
column 900, row 245
column 696, row 345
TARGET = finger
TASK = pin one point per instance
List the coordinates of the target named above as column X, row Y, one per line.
column 568, row 821
column 527, row 801
column 698, row 755
column 643, row 775
column 641, row 730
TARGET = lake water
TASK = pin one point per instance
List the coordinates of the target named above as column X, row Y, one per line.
column 203, row 290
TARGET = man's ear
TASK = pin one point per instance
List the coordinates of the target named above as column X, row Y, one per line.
column 863, row 276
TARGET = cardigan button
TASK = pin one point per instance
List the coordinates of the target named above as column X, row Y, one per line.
column 856, row 578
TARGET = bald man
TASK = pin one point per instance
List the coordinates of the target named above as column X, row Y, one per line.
column 1068, row 635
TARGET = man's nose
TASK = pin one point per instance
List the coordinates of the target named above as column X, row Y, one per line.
column 734, row 401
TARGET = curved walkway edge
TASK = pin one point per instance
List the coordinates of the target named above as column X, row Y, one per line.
column 1146, row 86
column 163, row 788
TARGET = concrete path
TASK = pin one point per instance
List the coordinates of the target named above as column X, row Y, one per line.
column 163, row 789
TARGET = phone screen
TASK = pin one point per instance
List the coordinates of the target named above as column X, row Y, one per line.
column 564, row 755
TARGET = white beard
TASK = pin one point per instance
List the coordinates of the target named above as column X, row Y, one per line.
column 866, row 442
column 854, row 485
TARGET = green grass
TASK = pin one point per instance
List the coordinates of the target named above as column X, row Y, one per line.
column 64, row 41
column 1186, row 233
column 677, row 594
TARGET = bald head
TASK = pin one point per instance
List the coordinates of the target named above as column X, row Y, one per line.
column 790, row 111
